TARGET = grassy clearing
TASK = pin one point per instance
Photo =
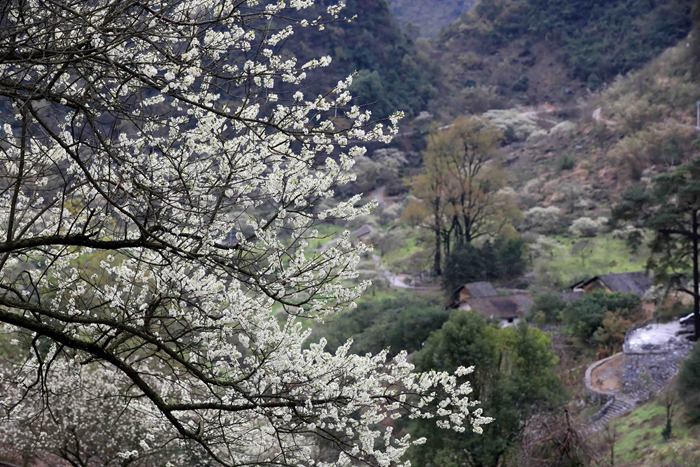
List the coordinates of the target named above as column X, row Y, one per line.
column 639, row 441
column 385, row 293
column 405, row 245
column 564, row 260
column 326, row 233
column 404, row 250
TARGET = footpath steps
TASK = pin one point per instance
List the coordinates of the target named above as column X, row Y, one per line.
column 617, row 406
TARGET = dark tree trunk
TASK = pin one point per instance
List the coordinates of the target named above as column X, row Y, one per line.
column 446, row 243
column 437, row 261
column 696, row 277
column 459, row 233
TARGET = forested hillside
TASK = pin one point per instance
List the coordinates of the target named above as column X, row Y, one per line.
column 528, row 51
column 391, row 74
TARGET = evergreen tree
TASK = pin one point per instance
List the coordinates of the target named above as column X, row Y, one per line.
column 670, row 207
column 516, row 377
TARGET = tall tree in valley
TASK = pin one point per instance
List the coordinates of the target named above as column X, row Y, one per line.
column 458, row 191
column 430, row 188
column 670, row 207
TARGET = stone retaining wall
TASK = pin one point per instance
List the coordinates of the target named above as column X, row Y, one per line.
column 647, row 369
column 597, row 395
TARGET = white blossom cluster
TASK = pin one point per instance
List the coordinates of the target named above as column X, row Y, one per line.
column 163, row 174
column 67, row 412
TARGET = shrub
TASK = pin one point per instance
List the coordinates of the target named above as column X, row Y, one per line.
column 466, row 264
column 549, row 306
column 587, row 227
column 520, row 124
column 566, row 162
column 545, row 220
column 396, row 323
column 610, row 335
column 382, row 168
column 503, row 258
column 585, row 316
column 661, row 144
column 479, row 98
column 515, row 376
column 689, row 382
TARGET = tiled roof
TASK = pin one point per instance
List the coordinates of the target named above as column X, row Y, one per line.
column 500, row 307
column 637, row 282
column 480, row 289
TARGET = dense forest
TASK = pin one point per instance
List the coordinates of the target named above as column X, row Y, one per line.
column 390, row 72
column 532, row 51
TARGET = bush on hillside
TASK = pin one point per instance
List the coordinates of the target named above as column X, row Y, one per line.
column 689, row 384
column 544, row 220
column 661, row 144
column 587, row 227
column 395, row 323
column 480, row 98
column 547, row 308
column 516, row 125
column 596, row 317
column 515, row 377
column 503, row 258
column 382, row 168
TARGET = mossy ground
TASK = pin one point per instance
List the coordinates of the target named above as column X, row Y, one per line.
column 570, row 258
column 639, row 440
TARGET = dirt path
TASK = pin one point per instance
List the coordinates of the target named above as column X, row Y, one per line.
column 400, row 281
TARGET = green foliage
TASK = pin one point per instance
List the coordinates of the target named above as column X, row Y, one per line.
column 547, row 307
column 585, row 316
column 514, row 375
column 561, row 260
column 611, row 38
column 503, row 258
column 667, row 432
column 669, row 207
column 392, row 75
column 689, row 384
column 639, row 438
column 542, row 50
column 695, row 45
column 395, row 323
column 600, row 38
column 391, row 72
column 565, row 162
column 653, row 110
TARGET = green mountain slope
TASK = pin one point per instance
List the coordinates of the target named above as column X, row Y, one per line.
column 531, row 51
column 391, row 75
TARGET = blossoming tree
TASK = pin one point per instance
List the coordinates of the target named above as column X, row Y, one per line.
column 162, row 173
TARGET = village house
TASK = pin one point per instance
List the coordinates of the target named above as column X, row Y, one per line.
column 636, row 283
column 364, row 231
column 485, row 299
column 472, row 290
column 506, row 309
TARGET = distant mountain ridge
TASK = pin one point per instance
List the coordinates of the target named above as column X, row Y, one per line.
column 428, row 17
